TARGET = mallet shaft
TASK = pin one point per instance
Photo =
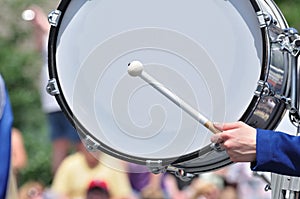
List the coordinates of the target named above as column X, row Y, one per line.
column 175, row 99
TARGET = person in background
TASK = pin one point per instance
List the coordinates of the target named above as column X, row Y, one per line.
column 63, row 136
column 205, row 188
column 18, row 151
column 79, row 169
column 8, row 188
column 208, row 186
column 176, row 188
column 144, row 183
column 247, row 185
column 97, row 189
column 31, row 190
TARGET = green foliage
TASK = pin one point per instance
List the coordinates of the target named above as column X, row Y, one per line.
column 290, row 10
column 15, row 66
column 20, row 66
column 39, row 168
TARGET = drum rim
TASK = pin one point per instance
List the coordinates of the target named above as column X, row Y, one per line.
column 246, row 117
column 256, row 100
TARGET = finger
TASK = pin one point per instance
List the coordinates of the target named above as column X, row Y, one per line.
column 219, row 126
column 217, row 138
column 227, row 126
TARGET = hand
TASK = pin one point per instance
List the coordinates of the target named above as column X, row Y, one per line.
column 41, row 27
column 40, row 21
column 238, row 139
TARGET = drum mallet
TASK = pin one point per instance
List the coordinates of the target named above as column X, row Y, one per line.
column 136, row 68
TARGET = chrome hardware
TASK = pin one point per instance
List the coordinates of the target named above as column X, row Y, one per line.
column 264, row 178
column 268, row 187
column 155, row 166
column 294, row 118
column 291, row 32
column 261, row 19
column 265, row 19
column 285, row 186
column 52, row 87
column 180, row 173
column 217, row 147
column 90, row 144
column 53, row 17
column 294, row 38
column 289, row 40
column 263, row 89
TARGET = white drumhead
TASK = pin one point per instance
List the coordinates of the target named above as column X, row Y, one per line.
column 209, row 54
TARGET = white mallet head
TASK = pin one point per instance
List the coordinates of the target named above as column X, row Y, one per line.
column 135, row 68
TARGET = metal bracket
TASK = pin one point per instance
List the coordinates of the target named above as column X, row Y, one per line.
column 263, row 89
column 289, row 40
column 294, row 38
column 294, row 117
column 53, row 17
column 265, row 19
column 155, row 166
column 90, row 144
column 52, row 87
column 180, row 173
column 217, row 147
column 264, row 178
column 285, row 186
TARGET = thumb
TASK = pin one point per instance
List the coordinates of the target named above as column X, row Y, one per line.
column 227, row 126
column 219, row 126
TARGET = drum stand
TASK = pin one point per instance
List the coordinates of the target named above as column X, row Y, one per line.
column 288, row 187
column 285, row 187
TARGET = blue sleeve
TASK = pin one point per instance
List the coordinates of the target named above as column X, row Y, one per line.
column 277, row 152
column 6, row 119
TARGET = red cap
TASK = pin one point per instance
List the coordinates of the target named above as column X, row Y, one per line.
column 97, row 184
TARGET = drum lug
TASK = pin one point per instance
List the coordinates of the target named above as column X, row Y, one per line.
column 289, row 41
column 53, row 17
column 155, row 166
column 265, row 19
column 263, row 89
column 292, row 41
column 52, row 87
column 217, row 147
column 90, row 144
column 180, row 173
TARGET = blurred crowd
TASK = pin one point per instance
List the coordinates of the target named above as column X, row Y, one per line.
column 87, row 175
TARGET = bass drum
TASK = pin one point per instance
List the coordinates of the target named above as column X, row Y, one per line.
column 218, row 56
